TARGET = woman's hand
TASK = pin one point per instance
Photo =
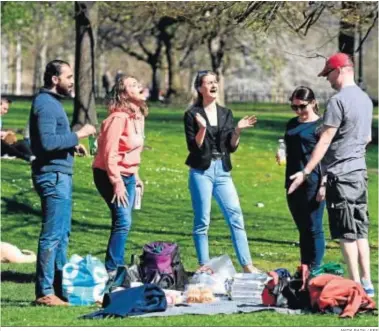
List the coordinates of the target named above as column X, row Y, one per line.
column 246, row 122
column 277, row 158
column 321, row 193
column 121, row 198
column 201, row 121
column 139, row 183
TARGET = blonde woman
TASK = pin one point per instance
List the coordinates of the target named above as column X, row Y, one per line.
column 211, row 137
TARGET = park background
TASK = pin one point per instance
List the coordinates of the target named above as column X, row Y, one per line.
column 261, row 52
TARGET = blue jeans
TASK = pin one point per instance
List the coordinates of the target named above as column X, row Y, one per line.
column 307, row 214
column 55, row 191
column 215, row 181
column 121, row 217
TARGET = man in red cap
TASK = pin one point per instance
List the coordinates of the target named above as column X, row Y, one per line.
column 342, row 148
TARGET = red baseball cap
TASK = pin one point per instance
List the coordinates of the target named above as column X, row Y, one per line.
column 337, row 60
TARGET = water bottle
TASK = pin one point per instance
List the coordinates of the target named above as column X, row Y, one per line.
column 282, row 152
column 138, row 198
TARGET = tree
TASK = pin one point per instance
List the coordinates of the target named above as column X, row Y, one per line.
column 19, row 18
column 84, row 110
column 127, row 26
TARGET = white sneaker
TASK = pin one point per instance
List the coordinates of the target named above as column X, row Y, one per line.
column 368, row 287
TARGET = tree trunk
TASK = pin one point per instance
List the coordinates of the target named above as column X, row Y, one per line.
column 154, row 93
column 40, row 61
column 4, row 66
column 18, row 66
column 216, row 49
column 101, row 71
column 84, row 110
column 346, row 37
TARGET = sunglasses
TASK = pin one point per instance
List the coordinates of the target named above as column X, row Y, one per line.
column 299, row 107
column 328, row 72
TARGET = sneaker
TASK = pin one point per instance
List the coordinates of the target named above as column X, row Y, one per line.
column 368, row 287
column 50, row 300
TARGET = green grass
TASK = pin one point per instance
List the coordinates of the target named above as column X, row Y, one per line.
column 166, row 215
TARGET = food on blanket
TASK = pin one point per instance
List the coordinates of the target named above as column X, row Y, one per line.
column 173, row 297
column 170, row 299
column 206, row 295
column 196, row 294
column 193, row 295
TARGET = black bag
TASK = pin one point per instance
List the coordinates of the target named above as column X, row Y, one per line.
column 160, row 264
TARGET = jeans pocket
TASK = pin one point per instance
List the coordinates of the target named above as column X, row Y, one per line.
column 45, row 180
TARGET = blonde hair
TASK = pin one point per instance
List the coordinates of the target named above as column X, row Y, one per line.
column 117, row 100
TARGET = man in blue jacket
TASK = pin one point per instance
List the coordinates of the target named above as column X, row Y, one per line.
column 53, row 144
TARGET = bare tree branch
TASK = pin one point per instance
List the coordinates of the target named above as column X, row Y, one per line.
column 367, row 33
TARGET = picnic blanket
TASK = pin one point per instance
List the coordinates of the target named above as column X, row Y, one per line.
column 220, row 307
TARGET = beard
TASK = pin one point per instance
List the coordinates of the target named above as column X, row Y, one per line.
column 65, row 91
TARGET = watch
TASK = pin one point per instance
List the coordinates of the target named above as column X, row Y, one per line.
column 305, row 174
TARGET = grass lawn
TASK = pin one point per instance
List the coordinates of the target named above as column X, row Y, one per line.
column 167, row 215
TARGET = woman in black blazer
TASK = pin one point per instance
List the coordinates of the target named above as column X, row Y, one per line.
column 211, row 137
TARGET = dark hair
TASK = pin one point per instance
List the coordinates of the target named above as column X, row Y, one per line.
column 306, row 94
column 116, row 99
column 198, row 100
column 5, row 99
column 53, row 68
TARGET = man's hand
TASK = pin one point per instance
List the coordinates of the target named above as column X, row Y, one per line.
column 81, row 150
column 86, row 131
column 299, row 179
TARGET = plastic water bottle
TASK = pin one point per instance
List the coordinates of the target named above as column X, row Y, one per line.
column 138, row 198
column 282, row 152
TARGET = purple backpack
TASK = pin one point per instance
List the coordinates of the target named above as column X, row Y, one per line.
column 160, row 264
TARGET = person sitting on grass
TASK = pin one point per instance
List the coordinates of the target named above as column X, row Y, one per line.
column 10, row 147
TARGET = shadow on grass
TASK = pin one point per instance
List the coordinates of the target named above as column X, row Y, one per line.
column 12, row 206
column 17, row 277
column 16, row 303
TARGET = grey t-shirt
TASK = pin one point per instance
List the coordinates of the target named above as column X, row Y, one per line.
column 350, row 110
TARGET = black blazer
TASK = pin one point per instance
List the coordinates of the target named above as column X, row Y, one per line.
column 200, row 158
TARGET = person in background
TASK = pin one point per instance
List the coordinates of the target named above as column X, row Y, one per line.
column 119, row 74
column 211, row 136
column 106, row 80
column 342, row 149
column 53, row 144
column 307, row 204
column 10, row 146
column 118, row 158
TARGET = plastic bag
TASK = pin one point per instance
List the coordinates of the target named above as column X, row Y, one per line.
column 215, row 273
column 327, row 268
column 84, row 280
column 198, row 293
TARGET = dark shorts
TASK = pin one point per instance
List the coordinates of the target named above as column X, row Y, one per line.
column 346, row 200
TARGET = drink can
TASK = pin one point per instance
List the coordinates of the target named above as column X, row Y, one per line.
column 92, row 144
column 138, row 198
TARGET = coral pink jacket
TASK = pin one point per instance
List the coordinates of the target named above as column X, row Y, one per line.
column 120, row 143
